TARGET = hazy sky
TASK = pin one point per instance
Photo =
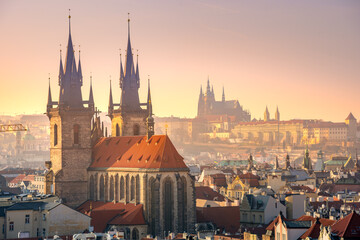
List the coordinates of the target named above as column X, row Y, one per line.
column 303, row 56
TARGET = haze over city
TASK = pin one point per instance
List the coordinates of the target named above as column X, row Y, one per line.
column 302, row 56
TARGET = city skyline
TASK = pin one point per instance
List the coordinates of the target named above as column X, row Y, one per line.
column 308, row 59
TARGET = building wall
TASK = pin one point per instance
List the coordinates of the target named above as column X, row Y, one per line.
column 272, row 209
column 295, row 206
column 63, row 220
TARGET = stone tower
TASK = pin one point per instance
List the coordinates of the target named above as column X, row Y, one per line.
column 307, row 160
column 70, row 134
column 350, row 121
column 130, row 118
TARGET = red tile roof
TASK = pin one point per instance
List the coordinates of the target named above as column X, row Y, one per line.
column 347, row 227
column 271, row 226
column 105, row 213
column 225, row 218
column 323, row 221
column 136, row 152
column 313, row 232
column 208, row 193
column 250, row 178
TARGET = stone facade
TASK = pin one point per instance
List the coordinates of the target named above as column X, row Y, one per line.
column 69, row 157
column 129, row 123
column 167, row 196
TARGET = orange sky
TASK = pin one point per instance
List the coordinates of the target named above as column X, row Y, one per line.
column 303, row 56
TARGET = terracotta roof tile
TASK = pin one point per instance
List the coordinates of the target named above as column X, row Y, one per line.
column 136, row 152
column 104, row 213
column 208, row 193
column 313, row 232
column 347, row 227
column 323, row 221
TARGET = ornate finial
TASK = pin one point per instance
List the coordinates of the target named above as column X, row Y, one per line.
column 90, row 78
column 79, row 49
column 60, row 50
column 69, row 13
column 166, row 128
column 128, row 17
column 137, row 52
column 49, row 78
column 120, row 51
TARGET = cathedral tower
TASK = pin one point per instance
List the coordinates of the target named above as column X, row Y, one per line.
column 277, row 114
column 130, row 118
column 266, row 115
column 70, row 133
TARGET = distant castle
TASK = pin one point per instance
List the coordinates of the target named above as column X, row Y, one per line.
column 207, row 105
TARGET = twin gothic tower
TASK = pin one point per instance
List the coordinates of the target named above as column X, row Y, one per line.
column 74, row 129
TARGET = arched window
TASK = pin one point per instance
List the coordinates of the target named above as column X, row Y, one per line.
column 122, row 188
column 117, row 130
column 137, row 189
column 132, row 191
column 182, row 204
column 92, row 186
column 117, row 187
column 135, row 234
column 112, row 197
column 76, row 134
column 136, row 129
column 168, row 205
column 102, row 188
column 55, row 134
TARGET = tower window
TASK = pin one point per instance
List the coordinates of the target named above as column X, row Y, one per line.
column 76, row 134
column 136, row 129
column 55, row 134
column 117, row 130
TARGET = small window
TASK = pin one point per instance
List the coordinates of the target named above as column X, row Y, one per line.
column 44, row 217
column 27, row 219
column 76, row 134
column 44, row 232
column 11, row 226
column 55, row 134
column 38, row 232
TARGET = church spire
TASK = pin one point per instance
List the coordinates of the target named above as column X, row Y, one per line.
column 111, row 104
column 223, row 95
column 79, row 69
column 208, row 86
column 71, row 81
column 130, row 83
column 149, row 104
column 266, row 114
column 149, row 120
column 49, row 102
column 61, row 68
column 121, row 72
column 277, row 114
column 137, row 74
column 91, row 96
column 276, row 163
